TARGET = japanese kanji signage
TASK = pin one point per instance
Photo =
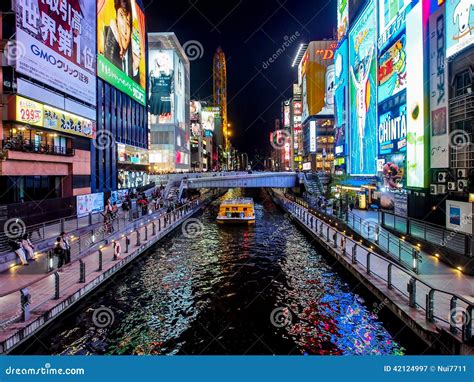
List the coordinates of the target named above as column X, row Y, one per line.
column 58, row 43
column 121, row 47
column 38, row 114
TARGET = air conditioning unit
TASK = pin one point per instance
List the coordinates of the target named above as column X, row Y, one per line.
column 462, row 184
column 442, row 177
column 433, row 189
column 451, row 186
column 461, row 173
column 441, row 189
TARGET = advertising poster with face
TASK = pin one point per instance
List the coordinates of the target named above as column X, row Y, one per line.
column 195, row 110
column 392, row 76
column 121, row 46
column 161, row 86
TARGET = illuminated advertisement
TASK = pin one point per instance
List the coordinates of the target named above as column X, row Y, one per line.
column 459, row 26
column 286, row 115
column 340, row 97
column 315, row 79
column 90, row 203
column 38, row 114
column 392, row 130
column 196, row 130
column 208, row 115
column 392, row 16
column 328, row 108
column 416, row 139
column 195, row 110
column 393, row 171
column 121, row 46
column 180, row 93
column 362, row 91
column 58, row 45
column 438, row 91
column 392, row 70
column 161, row 78
column 342, row 18
column 312, row 136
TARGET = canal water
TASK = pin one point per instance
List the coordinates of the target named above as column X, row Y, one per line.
column 212, row 289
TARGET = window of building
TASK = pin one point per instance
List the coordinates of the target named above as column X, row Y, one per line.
column 463, row 83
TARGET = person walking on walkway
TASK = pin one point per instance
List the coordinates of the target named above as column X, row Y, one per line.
column 59, row 252
column 28, row 247
column 66, row 246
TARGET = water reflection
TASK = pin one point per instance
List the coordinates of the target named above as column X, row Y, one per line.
column 262, row 289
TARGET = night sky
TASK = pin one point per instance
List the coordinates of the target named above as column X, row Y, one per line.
column 249, row 32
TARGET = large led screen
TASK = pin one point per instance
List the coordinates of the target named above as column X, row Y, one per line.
column 341, row 63
column 392, row 131
column 121, row 46
column 342, row 18
column 392, row 69
column 57, row 45
column 363, row 103
column 459, row 25
column 161, row 85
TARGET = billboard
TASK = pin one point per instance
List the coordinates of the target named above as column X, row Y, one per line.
column 196, row 130
column 312, row 136
column 208, row 117
column 315, row 78
column 416, row 139
column 38, row 114
column 180, row 94
column 342, row 18
column 58, row 45
column 362, row 93
column 121, row 46
column 392, row 69
column 341, row 63
column 161, row 88
column 195, row 110
column 286, row 115
column 90, row 203
column 438, row 91
column 459, row 26
column 392, row 130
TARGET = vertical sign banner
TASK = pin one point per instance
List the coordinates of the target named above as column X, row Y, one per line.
column 459, row 26
column 363, row 90
column 341, row 63
column 416, row 165
column 121, row 46
column 58, row 45
column 392, row 69
column 342, row 18
column 162, row 86
column 438, row 91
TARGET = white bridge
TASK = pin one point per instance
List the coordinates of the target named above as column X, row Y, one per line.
column 243, row 180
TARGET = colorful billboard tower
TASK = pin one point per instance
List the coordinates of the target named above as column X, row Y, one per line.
column 220, row 90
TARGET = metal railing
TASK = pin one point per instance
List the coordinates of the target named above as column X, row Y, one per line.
column 429, row 233
column 18, row 145
column 450, row 310
column 55, row 284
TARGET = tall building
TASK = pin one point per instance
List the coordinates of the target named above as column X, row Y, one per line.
column 169, row 104
column 220, row 100
column 119, row 158
column 48, row 108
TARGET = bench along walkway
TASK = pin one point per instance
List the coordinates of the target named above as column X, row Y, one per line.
column 433, row 309
column 26, row 311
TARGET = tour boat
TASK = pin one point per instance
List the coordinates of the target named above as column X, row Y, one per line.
column 236, row 210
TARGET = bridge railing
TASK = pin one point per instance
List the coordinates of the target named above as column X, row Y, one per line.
column 450, row 310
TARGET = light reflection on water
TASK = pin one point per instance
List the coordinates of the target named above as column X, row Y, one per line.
column 221, row 292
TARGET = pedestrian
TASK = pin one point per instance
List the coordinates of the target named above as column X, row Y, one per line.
column 28, row 247
column 17, row 248
column 66, row 246
column 59, row 252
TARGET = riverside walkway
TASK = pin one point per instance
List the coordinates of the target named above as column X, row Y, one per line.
column 436, row 306
column 27, row 304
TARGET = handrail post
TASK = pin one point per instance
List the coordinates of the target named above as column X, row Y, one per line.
column 82, row 271
column 430, row 306
column 368, row 262
column 335, row 239
column 467, row 325
column 327, row 233
column 452, row 309
column 354, row 253
column 153, row 229
column 56, row 286
column 62, row 225
column 321, row 229
column 389, row 276
column 411, row 289
column 146, row 232
column 415, row 261
column 101, row 261
column 138, row 237
column 343, row 245
column 90, row 218
column 25, row 299
column 127, row 243
column 159, row 224
column 50, row 261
